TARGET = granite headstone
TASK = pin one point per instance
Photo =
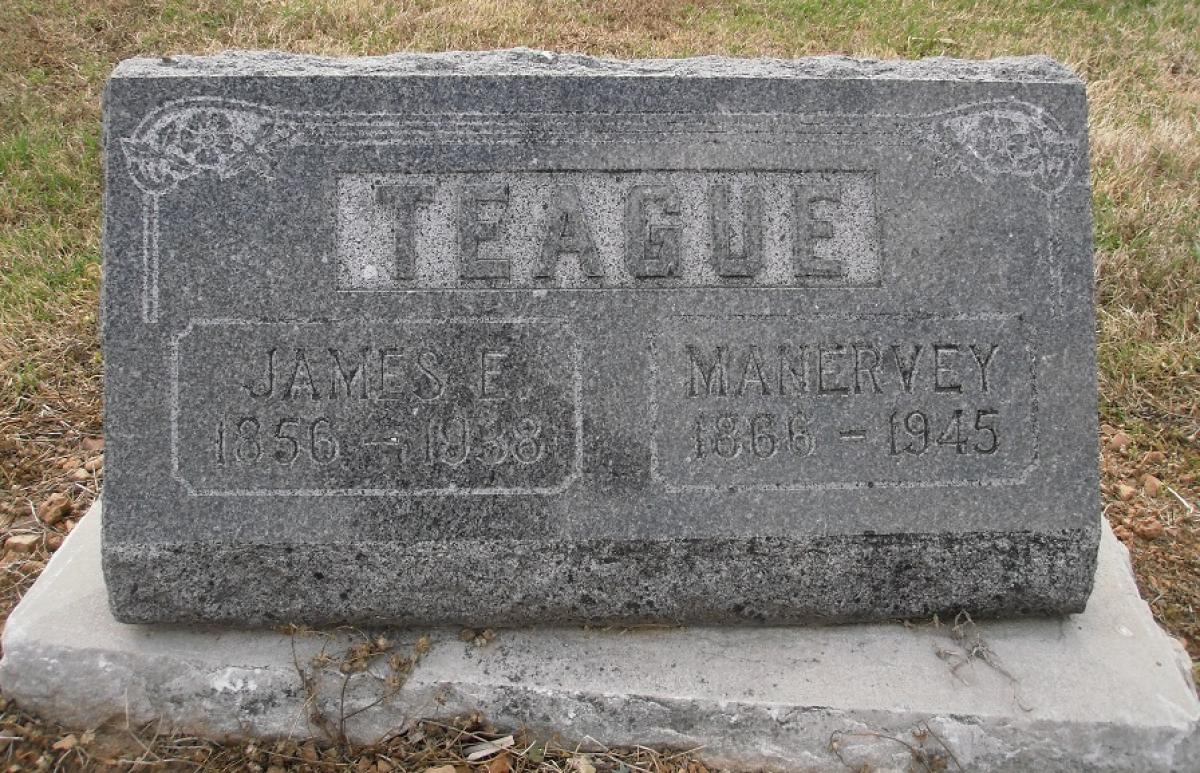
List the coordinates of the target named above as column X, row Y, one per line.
column 515, row 337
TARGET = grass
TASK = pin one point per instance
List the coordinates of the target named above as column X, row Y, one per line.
column 1141, row 61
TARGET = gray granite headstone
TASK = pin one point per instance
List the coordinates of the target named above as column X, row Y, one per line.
column 511, row 338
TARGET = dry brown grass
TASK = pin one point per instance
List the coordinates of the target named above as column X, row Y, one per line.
column 1141, row 61
column 426, row 746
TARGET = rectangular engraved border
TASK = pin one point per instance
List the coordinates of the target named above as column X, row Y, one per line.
column 576, row 391
column 684, row 488
column 660, row 282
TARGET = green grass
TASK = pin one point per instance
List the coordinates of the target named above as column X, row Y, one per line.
column 1141, row 60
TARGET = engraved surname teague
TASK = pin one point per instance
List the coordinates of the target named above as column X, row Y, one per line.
column 596, row 230
column 460, row 406
column 843, row 401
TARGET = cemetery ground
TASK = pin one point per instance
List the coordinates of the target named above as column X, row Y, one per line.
column 1141, row 62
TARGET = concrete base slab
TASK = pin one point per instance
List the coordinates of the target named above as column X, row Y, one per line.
column 1103, row 690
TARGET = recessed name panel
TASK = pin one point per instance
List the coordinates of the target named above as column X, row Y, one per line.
column 595, row 230
column 797, row 402
column 403, row 407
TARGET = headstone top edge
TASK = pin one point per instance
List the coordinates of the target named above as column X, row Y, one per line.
column 530, row 62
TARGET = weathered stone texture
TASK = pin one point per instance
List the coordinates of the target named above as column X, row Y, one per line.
column 1105, row 690
column 510, row 337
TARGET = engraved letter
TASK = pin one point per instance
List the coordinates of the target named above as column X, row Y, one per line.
column 941, row 368
column 860, row 354
column 825, row 353
column 717, row 369
column 907, row 369
column 263, row 387
column 566, row 230
column 806, row 229
column 651, row 248
column 474, row 229
column 433, row 384
column 489, row 369
column 388, row 357
column 753, row 360
column 725, row 262
column 338, row 375
column 301, row 378
column 983, row 361
column 788, row 366
column 403, row 200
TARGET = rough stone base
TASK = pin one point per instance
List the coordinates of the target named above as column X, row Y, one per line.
column 1102, row 690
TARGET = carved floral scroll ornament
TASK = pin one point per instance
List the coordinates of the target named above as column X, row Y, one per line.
column 187, row 138
column 1012, row 139
column 195, row 136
